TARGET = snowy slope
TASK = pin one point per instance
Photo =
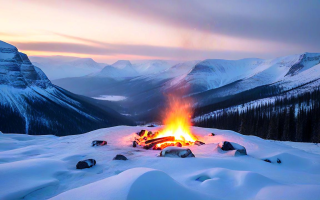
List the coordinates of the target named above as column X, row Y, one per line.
column 61, row 67
column 119, row 69
column 151, row 66
column 42, row 167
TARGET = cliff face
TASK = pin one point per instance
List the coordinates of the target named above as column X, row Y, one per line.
column 17, row 71
column 31, row 104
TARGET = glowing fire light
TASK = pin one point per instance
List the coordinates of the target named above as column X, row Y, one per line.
column 178, row 120
column 177, row 127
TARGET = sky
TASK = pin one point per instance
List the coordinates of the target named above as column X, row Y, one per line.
column 110, row 30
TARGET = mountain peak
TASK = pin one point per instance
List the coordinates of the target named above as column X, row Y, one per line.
column 4, row 45
column 122, row 64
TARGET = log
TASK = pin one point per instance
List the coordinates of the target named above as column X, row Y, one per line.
column 160, row 140
column 151, row 143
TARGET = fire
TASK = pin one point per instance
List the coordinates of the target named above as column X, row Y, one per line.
column 178, row 120
column 177, row 127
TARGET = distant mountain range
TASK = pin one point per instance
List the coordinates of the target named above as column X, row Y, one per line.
column 31, row 104
column 56, row 67
column 208, row 81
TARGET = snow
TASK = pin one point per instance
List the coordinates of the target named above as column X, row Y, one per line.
column 6, row 45
column 42, row 167
column 110, row 98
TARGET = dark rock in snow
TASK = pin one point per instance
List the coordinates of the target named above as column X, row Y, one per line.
column 278, row 161
column 199, row 143
column 134, row 144
column 267, row 160
column 212, row 134
column 120, row 157
column 86, row 163
column 99, row 143
column 151, row 125
column 228, row 146
column 176, row 152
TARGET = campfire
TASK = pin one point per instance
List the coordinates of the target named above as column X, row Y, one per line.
column 176, row 131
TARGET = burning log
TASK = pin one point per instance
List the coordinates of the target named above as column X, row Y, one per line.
column 160, row 140
column 142, row 132
column 153, row 142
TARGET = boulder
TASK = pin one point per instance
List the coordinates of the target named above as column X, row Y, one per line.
column 86, row 163
column 176, row 152
column 134, row 144
column 267, row 160
column 212, row 134
column 229, row 146
column 199, row 143
column 278, row 161
column 99, row 143
column 120, row 157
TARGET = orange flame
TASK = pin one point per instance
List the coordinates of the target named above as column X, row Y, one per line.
column 177, row 120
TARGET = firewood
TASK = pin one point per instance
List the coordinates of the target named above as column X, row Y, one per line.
column 160, row 140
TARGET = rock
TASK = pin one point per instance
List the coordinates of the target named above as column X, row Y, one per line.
column 120, row 157
column 134, row 144
column 199, row 143
column 278, row 161
column 99, row 143
column 176, row 152
column 212, row 134
column 151, row 125
column 86, row 163
column 228, row 146
column 267, row 160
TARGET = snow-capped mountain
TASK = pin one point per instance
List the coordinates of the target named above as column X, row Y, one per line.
column 30, row 103
column 151, row 66
column 205, row 81
column 119, row 69
column 57, row 67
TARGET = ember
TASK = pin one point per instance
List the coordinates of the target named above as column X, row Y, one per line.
column 176, row 131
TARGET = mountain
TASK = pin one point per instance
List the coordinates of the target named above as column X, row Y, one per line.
column 62, row 66
column 119, row 69
column 151, row 66
column 31, row 104
column 207, row 82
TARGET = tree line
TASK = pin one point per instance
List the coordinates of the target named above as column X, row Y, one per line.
column 289, row 118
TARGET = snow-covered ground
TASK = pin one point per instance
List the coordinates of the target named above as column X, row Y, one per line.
column 110, row 98
column 42, row 167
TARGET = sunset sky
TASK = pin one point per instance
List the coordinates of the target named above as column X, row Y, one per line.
column 174, row 30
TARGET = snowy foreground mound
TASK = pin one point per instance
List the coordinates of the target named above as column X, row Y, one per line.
column 42, row 167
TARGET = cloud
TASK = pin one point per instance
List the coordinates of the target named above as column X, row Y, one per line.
column 287, row 21
column 104, row 49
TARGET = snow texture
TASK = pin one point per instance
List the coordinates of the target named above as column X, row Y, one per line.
column 44, row 167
